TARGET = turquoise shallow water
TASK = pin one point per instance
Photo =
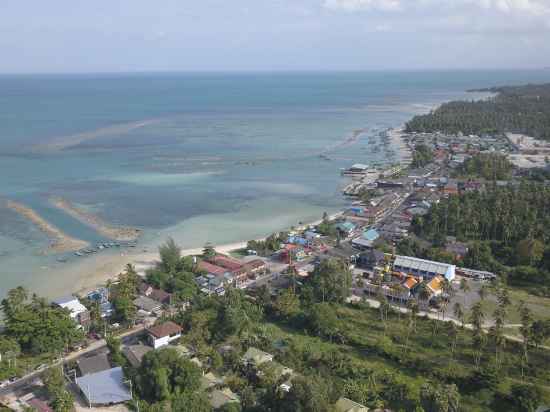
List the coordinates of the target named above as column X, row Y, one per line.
column 219, row 157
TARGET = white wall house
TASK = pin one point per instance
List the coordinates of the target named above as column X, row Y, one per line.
column 162, row 334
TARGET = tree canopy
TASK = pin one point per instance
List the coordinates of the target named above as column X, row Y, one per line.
column 518, row 109
column 36, row 325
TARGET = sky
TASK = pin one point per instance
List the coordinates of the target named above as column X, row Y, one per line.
column 270, row 35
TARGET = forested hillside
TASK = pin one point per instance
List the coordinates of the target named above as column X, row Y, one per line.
column 521, row 109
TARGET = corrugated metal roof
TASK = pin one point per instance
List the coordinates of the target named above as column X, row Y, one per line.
column 424, row 265
column 93, row 364
column 105, row 387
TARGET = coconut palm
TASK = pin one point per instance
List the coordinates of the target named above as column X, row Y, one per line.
column 465, row 288
column 459, row 313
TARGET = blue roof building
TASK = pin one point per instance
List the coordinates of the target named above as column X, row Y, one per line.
column 346, row 227
column 371, row 235
column 105, row 388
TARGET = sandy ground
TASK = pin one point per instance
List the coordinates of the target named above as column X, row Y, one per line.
column 60, row 242
column 405, row 152
column 113, row 232
column 99, row 269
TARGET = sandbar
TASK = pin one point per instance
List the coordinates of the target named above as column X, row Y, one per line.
column 121, row 233
column 60, row 242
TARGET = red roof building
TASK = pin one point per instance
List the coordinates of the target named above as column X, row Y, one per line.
column 212, row 269
column 226, row 262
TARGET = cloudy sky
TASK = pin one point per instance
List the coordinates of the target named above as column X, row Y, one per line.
column 194, row 35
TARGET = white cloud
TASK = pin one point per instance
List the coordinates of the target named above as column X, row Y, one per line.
column 531, row 7
column 451, row 16
column 356, row 5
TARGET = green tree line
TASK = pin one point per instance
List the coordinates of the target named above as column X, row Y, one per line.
column 521, row 109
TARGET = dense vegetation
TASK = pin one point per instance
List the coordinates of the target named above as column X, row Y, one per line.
column 422, row 156
column 506, row 227
column 36, row 325
column 35, row 330
column 173, row 273
column 268, row 246
column 490, row 166
column 377, row 357
column 521, row 109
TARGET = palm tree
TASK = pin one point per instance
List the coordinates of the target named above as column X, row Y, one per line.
column 482, row 292
column 465, row 288
column 525, row 330
column 476, row 317
column 452, row 332
column 412, row 305
column 496, row 332
column 424, row 294
column 459, row 313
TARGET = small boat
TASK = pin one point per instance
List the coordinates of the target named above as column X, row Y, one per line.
column 62, row 260
column 78, row 253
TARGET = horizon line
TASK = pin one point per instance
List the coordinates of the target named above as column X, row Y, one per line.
column 271, row 71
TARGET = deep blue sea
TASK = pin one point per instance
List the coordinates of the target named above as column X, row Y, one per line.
column 200, row 157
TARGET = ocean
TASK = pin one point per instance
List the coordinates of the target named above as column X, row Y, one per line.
column 200, row 157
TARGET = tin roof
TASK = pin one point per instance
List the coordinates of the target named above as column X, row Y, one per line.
column 105, row 387
column 93, row 364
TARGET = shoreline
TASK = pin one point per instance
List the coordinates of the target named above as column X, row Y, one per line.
column 120, row 233
column 109, row 267
column 60, row 242
column 99, row 269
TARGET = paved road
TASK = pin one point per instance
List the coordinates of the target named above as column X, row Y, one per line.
column 94, row 346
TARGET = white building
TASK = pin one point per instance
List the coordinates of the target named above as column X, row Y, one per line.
column 162, row 334
column 424, row 268
column 77, row 311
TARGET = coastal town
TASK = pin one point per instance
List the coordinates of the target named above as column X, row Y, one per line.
column 147, row 310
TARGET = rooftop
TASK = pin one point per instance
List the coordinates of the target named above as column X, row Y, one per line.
column 218, row 398
column 428, row 266
column 347, row 405
column 226, row 262
column 105, row 387
column 147, row 304
column 93, row 364
column 210, row 268
column 164, row 329
column 257, row 356
column 71, row 303
column 135, row 353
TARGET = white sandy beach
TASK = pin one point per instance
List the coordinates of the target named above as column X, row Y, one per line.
column 99, row 269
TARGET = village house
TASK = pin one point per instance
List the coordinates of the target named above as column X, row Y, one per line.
column 457, row 249
column 104, row 388
column 147, row 305
column 451, row 188
column 93, row 364
column 370, row 259
column 347, row 405
column 255, row 268
column 435, row 286
column 77, row 311
column 256, row 357
column 221, row 397
column 225, row 262
column 162, row 334
column 153, row 293
column 135, row 353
